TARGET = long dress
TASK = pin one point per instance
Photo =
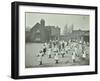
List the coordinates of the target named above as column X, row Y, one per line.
column 66, row 49
column 80, row 50
column 84, row 55
column 73, row 57
column 56, row 56
column 75, row 49
column 44, row 50
column 49, row 52
column 40, row 57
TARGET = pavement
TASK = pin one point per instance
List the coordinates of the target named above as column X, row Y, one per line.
column 31, row 59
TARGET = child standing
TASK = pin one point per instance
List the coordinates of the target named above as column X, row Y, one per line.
column 62, row 52
column 56, row 58
column 84, row 55
column 44, row 49
column 49, row 52
column 73, row 57
column 40, row 55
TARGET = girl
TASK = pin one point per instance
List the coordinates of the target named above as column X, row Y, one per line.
column 63, row 53
column 40, row 55
column 56, row 58
column 84, row 55
column 44, row 50
column 73, row 56
column 49, row 52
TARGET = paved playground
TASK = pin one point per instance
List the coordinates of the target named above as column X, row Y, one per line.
column 31, row 59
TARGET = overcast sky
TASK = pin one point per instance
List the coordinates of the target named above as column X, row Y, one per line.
column 79, row 21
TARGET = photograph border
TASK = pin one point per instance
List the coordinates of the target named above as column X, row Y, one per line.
column 15, row 39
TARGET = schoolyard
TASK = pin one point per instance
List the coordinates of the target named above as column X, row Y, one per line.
column 31, row 59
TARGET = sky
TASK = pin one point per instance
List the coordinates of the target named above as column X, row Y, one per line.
column 79, row 21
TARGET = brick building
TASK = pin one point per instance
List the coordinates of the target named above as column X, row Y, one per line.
column 41, row 33
column 77, row 35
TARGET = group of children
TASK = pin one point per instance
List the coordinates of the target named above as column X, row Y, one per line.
column 56, row 48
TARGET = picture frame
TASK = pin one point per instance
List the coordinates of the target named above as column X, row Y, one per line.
column 21, row 17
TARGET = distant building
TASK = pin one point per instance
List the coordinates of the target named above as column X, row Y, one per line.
column 77, row 35
column 41, row 33
column 70, row 33
column 68, row 29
